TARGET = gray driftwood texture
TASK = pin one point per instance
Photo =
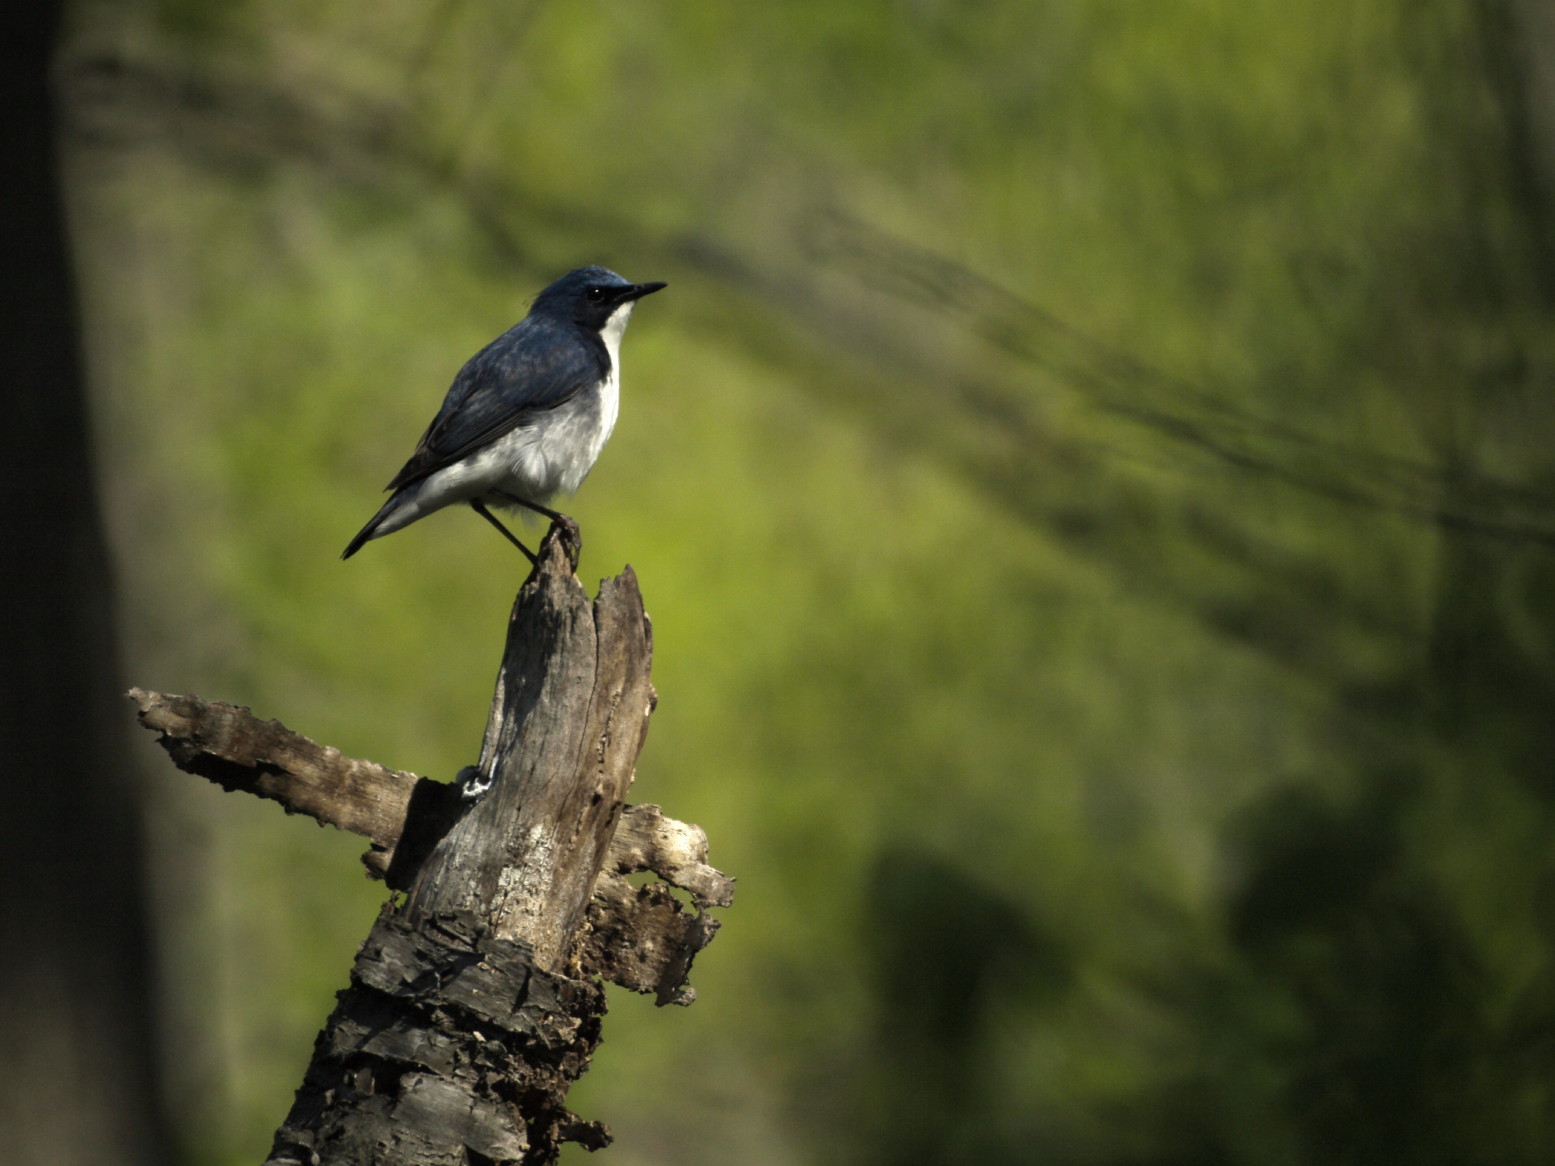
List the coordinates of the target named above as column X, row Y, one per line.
column 474, row 1004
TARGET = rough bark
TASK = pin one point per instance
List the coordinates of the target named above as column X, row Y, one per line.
column 449, row 1047
column 472, row 1005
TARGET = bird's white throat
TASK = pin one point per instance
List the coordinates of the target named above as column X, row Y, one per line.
column 614, row 329
column 611, row 333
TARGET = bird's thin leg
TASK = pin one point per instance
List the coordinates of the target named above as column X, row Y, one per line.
column 480, row 508
column 569, row 527
column 553, row 515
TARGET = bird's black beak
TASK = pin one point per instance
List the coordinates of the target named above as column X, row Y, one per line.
column 637, row 290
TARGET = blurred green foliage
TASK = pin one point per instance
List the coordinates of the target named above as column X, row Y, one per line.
column 1090, row 477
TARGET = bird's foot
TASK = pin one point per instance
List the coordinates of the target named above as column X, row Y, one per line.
column 566, row 529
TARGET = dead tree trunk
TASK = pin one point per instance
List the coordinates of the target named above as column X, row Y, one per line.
column 474, row 1004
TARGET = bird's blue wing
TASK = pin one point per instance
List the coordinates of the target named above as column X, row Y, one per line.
column 536, row 365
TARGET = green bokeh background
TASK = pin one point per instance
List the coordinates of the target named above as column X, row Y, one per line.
column 1090, row 476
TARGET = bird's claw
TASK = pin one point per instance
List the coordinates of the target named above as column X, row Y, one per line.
column 572, row 537
column 565, row 530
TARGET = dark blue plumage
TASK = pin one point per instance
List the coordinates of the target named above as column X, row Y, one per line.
column 537, row 364
column 527, row 415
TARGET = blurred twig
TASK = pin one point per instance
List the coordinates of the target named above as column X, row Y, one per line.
column 1463, row 500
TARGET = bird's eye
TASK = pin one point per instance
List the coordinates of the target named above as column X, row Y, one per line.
column 596, row 294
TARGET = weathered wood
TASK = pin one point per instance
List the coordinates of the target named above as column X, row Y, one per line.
column 569, row 719
column 675, row 851
column 230, row 746
column 471, row 1007
column 640, row 938
column 643, row 939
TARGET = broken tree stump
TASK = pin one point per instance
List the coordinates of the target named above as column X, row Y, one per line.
column 474, row 1002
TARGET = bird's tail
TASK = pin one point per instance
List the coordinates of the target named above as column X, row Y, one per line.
column 362, row 536
column 370, row 531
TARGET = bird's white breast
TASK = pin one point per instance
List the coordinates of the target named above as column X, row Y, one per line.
column 550, row 456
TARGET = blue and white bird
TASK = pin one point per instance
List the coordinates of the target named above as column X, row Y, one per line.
column 526, row 417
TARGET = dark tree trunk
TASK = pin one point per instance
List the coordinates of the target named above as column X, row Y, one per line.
column 75, row 1004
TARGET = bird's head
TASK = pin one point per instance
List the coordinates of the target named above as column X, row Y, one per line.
column 590, row 296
